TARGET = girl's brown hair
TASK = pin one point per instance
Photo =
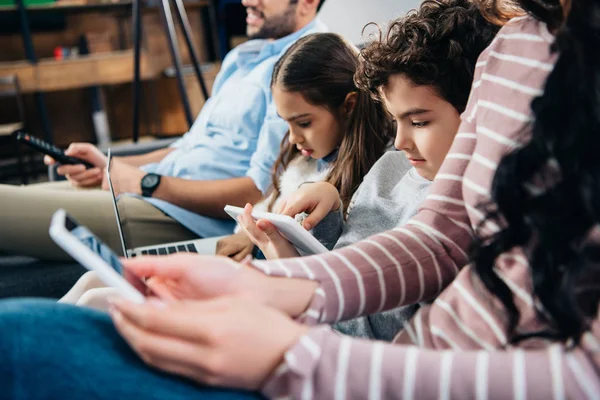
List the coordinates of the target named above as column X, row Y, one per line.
column 321, row 67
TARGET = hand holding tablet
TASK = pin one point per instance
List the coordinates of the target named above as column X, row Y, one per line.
column 288, row 227
column 89, row 251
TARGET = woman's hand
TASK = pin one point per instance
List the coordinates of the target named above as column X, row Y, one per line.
column 266, row 236
column 229, row 342
column 186, row 276
column 236, row 246
column 77, row 174
column 195, row 277
column 317, row 199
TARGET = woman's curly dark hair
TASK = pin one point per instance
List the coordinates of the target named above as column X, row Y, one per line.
column 500, row 11
column 436, row 45
column 554, row 226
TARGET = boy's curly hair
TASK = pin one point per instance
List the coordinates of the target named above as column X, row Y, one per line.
column 436, row 45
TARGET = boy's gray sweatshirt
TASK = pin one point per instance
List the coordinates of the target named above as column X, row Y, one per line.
column 388, row 197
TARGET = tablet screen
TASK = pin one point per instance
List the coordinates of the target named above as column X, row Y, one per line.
column 93, row 243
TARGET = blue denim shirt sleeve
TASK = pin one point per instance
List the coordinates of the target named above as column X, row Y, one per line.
column 267, row 149
column 224, row 72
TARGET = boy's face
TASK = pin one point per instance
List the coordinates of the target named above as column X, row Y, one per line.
column 426, row 123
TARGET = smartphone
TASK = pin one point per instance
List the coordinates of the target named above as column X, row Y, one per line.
column 57, row 154
column 85, row 247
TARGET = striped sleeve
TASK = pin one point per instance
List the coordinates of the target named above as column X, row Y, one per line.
column 326, row 365
column 402, row 266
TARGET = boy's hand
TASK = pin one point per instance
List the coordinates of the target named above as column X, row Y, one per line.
column 317, row 199
column 186, row 276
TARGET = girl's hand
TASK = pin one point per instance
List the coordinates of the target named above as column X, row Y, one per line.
column 220, row 342
column 317, row 199
column 266, row 236
column 236, row 246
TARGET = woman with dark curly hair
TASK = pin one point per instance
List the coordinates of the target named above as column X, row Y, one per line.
column 521, row 183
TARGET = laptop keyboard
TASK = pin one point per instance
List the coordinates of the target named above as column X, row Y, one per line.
column 188, row 248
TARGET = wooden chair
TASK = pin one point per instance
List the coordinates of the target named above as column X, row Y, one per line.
column 9, row 87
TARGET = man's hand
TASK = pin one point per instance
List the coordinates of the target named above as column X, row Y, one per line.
column 125, row 178
column 77, row 174
column 317, row 199
column 236, row 246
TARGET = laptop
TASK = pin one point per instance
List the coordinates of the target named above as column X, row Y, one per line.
column 201, row 246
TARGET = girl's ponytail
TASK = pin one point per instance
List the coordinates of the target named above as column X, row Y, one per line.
column 369, row 133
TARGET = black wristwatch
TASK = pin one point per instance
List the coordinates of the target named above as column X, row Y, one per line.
column 149, row 184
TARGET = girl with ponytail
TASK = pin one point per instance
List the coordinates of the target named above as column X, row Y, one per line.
column 336, row 131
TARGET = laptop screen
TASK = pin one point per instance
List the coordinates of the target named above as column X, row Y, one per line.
column 115, row 206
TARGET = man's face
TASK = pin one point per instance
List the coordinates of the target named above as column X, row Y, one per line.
column 270, row 19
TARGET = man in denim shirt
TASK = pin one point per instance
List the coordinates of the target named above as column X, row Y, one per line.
column 179, row 193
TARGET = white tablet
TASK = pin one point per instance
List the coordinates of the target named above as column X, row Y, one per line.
column 302, row 240
column 89, row 251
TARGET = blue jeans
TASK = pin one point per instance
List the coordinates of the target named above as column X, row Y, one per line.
column 57, row 351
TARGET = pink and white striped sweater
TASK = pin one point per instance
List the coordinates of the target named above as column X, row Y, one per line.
column 458, row 346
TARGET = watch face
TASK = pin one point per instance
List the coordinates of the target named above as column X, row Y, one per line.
column 150, row 180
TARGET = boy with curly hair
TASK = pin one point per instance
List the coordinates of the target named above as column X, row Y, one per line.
column 422, row 70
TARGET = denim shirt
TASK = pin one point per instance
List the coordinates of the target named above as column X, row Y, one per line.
column 236, row 134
